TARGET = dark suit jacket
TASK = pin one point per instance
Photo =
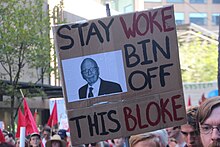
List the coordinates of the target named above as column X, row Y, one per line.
column 106, row 87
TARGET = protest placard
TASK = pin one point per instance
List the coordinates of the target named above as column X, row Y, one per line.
column 121, row 75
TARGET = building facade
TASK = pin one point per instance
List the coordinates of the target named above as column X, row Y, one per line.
column 204, row 13
column 194, row 18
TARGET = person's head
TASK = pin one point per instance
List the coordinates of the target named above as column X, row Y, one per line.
column 90, row 71
column 208, row 118
column 119, row 142
column 17, row 143
column 173, row 132
column 46, row 132
column 62, row 133
column 56, row 141
column 144, row 140
column 189, row 130
column 35, row 140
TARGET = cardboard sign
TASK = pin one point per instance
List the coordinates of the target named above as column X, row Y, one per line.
column 121, row 75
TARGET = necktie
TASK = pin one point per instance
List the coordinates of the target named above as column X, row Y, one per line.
column 90, row 92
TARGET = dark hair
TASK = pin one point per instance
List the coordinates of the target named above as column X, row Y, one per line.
column 47, row 128
column 176, row 127
column 62, row 133
column 35, row 134
column 191, row 116
column 11, row 135
column 5, row 132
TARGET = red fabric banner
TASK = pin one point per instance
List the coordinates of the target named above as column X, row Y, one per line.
column 53, row 119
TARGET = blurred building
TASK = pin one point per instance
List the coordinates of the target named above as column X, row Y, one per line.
column 204, row 13
column 194, row 19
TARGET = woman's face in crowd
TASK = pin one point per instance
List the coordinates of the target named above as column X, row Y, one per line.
column 35, row 141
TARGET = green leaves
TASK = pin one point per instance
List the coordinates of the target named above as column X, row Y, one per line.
column 24, row 36
column 199, row 61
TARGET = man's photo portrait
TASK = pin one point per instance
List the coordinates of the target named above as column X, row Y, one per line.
column 95, row 86
column 94, row 75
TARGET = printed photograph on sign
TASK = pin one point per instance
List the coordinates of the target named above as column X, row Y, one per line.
column 94, row 75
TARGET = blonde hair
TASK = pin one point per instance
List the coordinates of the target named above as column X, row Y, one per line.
column 144, row 137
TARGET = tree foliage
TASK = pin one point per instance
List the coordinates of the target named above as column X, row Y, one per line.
column 199, row 61
column 24, row 37
column 24, row 43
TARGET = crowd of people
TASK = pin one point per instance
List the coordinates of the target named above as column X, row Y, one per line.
column 46, row 138
column 201, row 130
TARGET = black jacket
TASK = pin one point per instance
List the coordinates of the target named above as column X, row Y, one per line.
column 106, row 87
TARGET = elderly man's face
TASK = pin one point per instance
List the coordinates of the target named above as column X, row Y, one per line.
column 209, row 130
column 90, row 71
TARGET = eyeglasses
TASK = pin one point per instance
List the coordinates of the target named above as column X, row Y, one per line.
column 92, row 69
column 207, row 129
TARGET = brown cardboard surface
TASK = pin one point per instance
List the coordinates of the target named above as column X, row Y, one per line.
column 125, row 118
column 139, row 51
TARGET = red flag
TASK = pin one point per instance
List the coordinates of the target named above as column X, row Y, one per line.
column 21, row 122
column 203, row 98
column 2, row 137
column 53, row 119
column 35, row 115
column 31, row 126
column 189, row 101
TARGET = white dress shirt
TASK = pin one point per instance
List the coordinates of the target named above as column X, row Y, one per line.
column 95, row 87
